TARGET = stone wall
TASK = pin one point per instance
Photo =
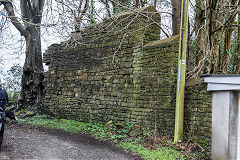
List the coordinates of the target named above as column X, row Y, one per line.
column 119, row 71
column 198, row 114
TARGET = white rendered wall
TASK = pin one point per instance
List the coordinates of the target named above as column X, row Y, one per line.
column 225, row 122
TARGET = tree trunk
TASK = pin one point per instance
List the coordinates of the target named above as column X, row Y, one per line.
column 91, row 12
column 200, row 28
column 32, row 86
column 225, row 59
column 213, row 34
column 216, row 36
column 176, row 16
column 155, row 4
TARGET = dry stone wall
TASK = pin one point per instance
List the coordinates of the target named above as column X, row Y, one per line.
column 198, row 114
column 119, row 71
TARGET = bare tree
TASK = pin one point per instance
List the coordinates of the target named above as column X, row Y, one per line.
column 81, row 12
column 215, row 24
column 29, row 25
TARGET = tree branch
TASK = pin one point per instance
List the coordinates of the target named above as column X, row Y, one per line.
column 232, row 16
column 9, row 8
column 79, row 8
column 81, row 14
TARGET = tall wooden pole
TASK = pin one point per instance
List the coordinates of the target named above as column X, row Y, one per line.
column 179, row 115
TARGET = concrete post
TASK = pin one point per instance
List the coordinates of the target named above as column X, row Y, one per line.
column 238, row 129
column 225, row 116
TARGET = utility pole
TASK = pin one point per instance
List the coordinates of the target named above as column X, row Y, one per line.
column 179, row 115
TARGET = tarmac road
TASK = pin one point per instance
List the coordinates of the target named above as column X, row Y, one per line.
column 24, row 142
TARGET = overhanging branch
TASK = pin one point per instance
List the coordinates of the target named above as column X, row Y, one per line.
column 11, row 15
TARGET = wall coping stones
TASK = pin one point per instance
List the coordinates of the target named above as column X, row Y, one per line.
column 166, row 40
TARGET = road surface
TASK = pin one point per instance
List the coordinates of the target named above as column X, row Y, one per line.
column 24, row 142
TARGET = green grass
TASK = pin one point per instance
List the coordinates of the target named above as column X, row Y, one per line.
column 103, row 132
column 52, row 123
column 97, row 130
column 164, row 153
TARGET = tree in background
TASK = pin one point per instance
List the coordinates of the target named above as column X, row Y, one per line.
column 215, row 25
column 176, row 16
column 13, row 78
column 12, row 81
